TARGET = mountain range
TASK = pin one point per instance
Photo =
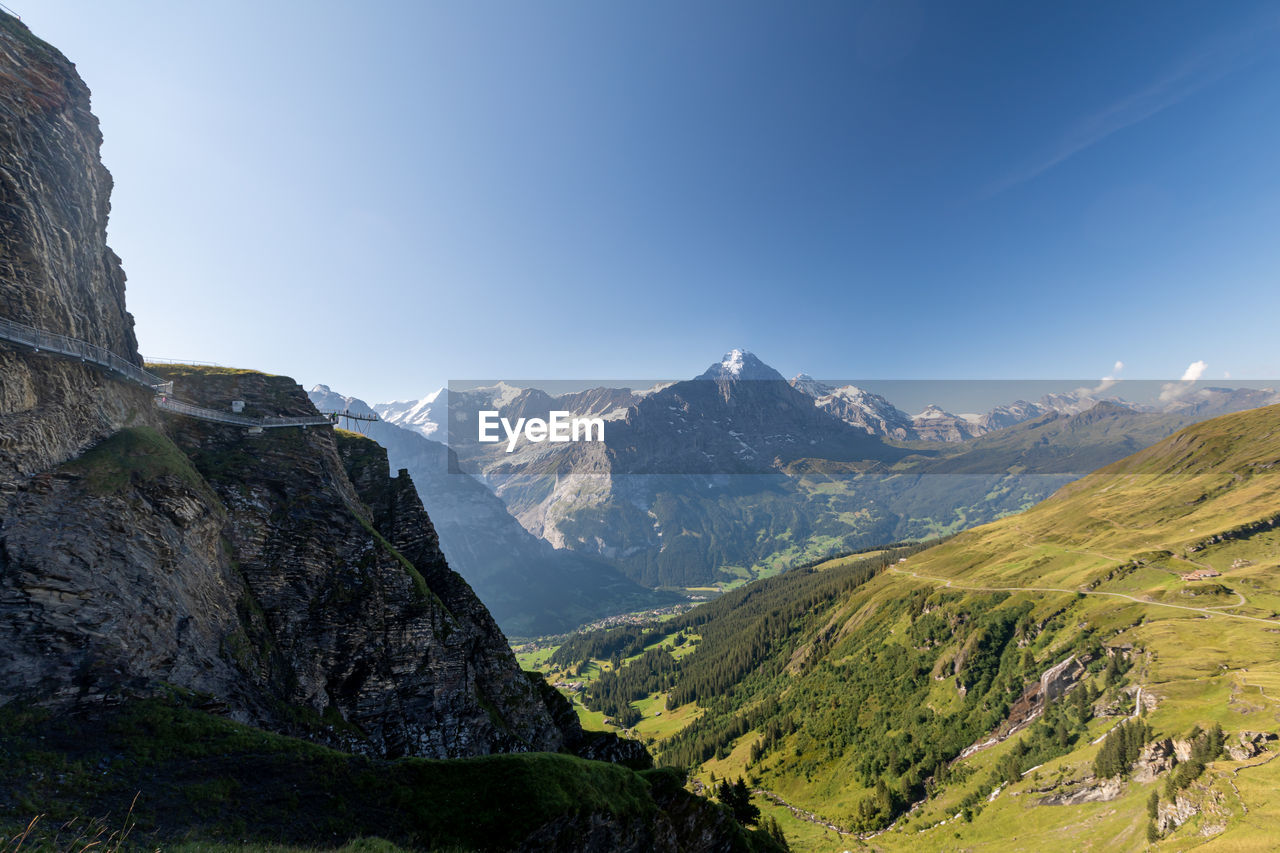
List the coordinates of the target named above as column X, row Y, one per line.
column 738, row 472
column 869, row 411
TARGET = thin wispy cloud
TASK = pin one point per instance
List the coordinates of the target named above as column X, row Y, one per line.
column 1106, row 382
column 1193, row 74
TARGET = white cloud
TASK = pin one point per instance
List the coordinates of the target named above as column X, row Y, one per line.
column 1106, row 382
column 1174, row 390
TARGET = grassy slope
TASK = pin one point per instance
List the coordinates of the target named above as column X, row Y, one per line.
column 1130, row 529
column 1203, row 668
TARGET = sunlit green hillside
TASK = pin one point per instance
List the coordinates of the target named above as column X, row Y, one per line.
column 849, row 693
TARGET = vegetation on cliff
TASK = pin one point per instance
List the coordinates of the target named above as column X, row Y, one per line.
column 199, row 776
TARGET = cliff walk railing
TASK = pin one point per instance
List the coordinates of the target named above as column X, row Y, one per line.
column 178, row 407
column 42, row 341
column 39, row 340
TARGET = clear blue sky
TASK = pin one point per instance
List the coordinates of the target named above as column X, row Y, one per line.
column 383, row 196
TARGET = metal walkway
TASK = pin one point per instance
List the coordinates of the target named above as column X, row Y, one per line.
column 178, row 407
column 41, row 341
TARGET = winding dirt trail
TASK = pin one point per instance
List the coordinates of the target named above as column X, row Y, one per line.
column 1205, row 610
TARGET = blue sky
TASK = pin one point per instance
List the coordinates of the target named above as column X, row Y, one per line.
column 385, row 196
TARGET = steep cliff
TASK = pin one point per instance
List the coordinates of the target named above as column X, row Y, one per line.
column 57, row 269
column 81, row 533
column 353, row 615
column 139, row 550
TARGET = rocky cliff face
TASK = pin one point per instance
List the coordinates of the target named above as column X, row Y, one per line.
column 113, row 578
column 140, row 549
column 57, row 271
column 299, row 586
column 76, row 537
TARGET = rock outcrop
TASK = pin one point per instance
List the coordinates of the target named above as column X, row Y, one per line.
column 1173, row 815
column 1156, row 758
column 1053, row 683
column 1249, row 745
column 1092, row 790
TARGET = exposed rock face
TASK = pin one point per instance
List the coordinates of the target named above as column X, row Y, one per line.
column 1155, row 758
column 56, row 270
column 1249, row 745
column 1092, row 791
column 108, row 582
column 1011, row 414
column 254, row 569
column 475, row 661
column 1057, row 680
column 364, row 620
column 1175, row 814
column 1053, row 683
column 857, row 407
column 76, row 541
column 934, row 424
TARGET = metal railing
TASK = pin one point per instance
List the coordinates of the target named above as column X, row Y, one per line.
column 180, row 408
column 146, row 359
column 351, row 416
column 40, row 341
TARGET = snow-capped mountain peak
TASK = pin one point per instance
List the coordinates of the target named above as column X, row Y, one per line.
column 740, row 364
column 501, row 393
column 424, row 416
column 326, row 399
column 857, row 407
column 806, row 384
